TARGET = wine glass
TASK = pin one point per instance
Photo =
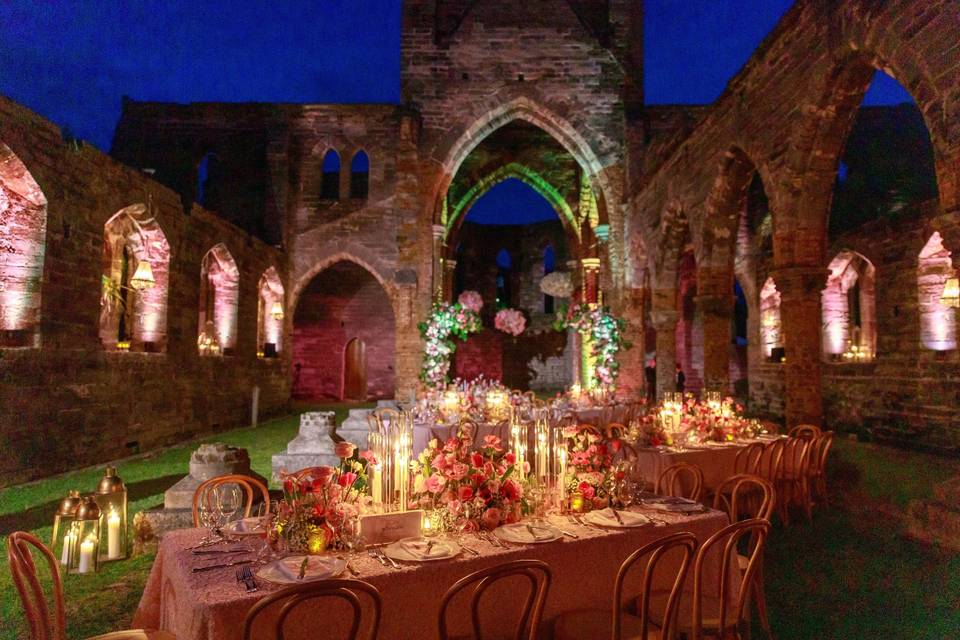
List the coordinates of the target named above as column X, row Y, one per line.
column 209, row 512
column 351, row 535
column 462, row 520
column 228, row 497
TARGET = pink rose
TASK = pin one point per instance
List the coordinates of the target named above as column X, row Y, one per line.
column 347, row 479
column 435, row 484
column 369, row 457
column 476, row 459
column 510, row 490
column 459, row 471
column 491, row 518
column 510, row 458
column 344, row 450
column 587, row 490
column 439, row 461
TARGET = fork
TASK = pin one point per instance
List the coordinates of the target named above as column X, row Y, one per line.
column 376, row 556
column 249, row 580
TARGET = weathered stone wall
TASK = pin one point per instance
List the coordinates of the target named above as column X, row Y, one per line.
column 69, row 403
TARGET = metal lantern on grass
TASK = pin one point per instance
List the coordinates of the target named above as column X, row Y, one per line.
column 63, row 526
column 85, row 542
column 112, row 499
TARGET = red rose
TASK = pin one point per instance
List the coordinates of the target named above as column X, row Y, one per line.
column 510, row 458
column 476, row 460
column 464, row 493
column 587, row 490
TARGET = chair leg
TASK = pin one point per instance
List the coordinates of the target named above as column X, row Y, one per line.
column 760, row 598
column 807, row 499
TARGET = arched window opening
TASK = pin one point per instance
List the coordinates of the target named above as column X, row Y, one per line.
column 270, row 315
column 208, row 180
column 134, row 282
column 330, row 178
column 219, row 294
column 848, row 301
column 23, row 230
column 771, row 332
column 549, row 264
column 938, row 322
column 360, row 176
column 504, row 267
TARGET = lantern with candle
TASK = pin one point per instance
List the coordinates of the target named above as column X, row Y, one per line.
column 63, row 521
column 112, row 499
column 450, row 406
column 497, row 405
column 85, row 538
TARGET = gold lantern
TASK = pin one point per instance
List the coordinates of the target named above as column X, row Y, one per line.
column 63, row 523
column 951, row 293
column 85, row 557
column 276, row 310
column 112, row 499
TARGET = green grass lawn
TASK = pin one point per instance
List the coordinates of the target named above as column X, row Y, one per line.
column 848, row 574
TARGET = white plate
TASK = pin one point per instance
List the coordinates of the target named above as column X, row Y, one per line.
column 401, row 550
column 519, row 534
column 605, row 518
column 676, row 505
column 245, row 527
column 321, row 568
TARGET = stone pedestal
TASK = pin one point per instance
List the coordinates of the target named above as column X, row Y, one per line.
column 313, row 446
column 356, row 428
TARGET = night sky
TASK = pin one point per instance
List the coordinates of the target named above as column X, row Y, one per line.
column 72, row 61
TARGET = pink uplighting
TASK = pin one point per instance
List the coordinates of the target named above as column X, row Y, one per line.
column 271, row 327
column 770, row 328
column 848, row 303
column 938, row 323
column 219, row 295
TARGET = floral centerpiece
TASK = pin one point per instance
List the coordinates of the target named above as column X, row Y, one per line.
column 510, row 321
column 647, row 431
column 719, row 421
column 449, row 476
column 606, row 337
column 445, row 322
column 589, row 465
column 314, row 507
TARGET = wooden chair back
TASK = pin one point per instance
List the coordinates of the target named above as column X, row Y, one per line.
column 748, row 459
column 726, row 540
column 806, row 431
column 249, row 486
column 796, row 458
column 538, row 576
column 615, row 430
column 819, row 451
column 772, row 460
column 746, row 493
column 44, row 624
column 654, row 551
column 770, row 426
column 348, row 591
column 671, row 481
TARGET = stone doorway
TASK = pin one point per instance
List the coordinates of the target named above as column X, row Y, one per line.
column 355, row 370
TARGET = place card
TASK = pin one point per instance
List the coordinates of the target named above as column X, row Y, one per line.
column 390, row 527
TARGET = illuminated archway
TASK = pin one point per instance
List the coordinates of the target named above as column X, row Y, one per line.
column 270, row 314
column 219, row 297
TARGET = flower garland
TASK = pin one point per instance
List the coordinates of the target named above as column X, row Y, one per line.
column 606, row 336
column 510, row 321
column 444, row 322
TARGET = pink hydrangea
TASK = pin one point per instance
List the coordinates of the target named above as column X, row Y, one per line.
column 510, row 321
column 471, row 300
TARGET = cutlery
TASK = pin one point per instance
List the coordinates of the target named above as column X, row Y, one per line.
column 245, row 575
column 350, row 567
column 393, row 563
column 532, row 533
column 199, row 552
column 568, row 534
column 617, row 515
column 220, row 566
column 376, row 556
column 469, row 550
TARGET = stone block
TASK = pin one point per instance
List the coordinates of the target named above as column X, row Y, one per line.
column 312, row 447
column 208, row 461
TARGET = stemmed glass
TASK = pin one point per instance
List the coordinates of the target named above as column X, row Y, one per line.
column 228, row 497
column 462, row 520
column 350, row 535
column 211, row 516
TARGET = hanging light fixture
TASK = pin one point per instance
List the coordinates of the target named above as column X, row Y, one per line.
column 951, row 293
column 276, row 310
column 143, row 276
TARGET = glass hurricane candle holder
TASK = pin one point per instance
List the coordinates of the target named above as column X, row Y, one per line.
column 111, row 497
column 85, row 557
column 63, row 529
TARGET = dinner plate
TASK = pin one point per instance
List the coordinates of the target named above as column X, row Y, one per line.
column 287, row 570
column 675, row 505
column 518, row 533
column 245, row 527
column 606, row 518
column 414, row 550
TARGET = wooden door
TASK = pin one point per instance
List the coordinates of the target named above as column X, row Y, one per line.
column 355, row 371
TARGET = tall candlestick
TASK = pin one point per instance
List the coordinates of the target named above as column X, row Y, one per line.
column 113, row 536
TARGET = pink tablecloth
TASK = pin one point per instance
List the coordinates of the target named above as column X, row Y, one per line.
column 211, row 605
column 715, row 460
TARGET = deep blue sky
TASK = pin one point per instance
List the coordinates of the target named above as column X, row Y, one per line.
column 71, row 61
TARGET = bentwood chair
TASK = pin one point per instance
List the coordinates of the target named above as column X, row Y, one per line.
column 772, row 460
column 617, row 624
column 534, row 573
column 749, row 497
column 249, row 486
column 717, row 606
column 289, row 599
column 748, row 459
column 615, row 430
column 44, row 623
column 816, row 473
column 682, row 480
column 792, row 482
column 806, row 431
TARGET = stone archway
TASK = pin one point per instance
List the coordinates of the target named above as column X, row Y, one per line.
column 341, row 303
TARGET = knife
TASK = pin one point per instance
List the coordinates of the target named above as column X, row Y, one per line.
column 220, row 566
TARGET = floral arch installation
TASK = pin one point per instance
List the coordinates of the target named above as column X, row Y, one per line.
column 133, row 315
column 219, row 297
column 23, row 227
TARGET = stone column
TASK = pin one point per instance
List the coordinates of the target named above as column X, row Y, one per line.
column 714, row 313
column 449, row 269
column 665, row 323
column 591, row 279
column 632, row 382
column 801, row 321
column 436, row 281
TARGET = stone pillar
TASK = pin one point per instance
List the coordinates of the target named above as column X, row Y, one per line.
column 449, row 269
column 801, row 321
column 631, row 383
column 591, row 279
column 714, row 313
column 436, row 282
column 665, row 323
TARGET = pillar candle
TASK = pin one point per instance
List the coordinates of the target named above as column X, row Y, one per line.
column 113, row 536
column 375, row 487
column 68, row 541
column 86, row 556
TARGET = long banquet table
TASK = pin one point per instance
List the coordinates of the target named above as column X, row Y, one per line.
column 211, row 605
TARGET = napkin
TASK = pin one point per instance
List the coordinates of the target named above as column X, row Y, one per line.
column 606, row 517
column 423, row 549
column 289, row 568
column 539, row 532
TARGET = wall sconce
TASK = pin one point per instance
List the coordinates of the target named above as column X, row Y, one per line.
column 276, row 310
column 143, row 276
column 951, row 293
